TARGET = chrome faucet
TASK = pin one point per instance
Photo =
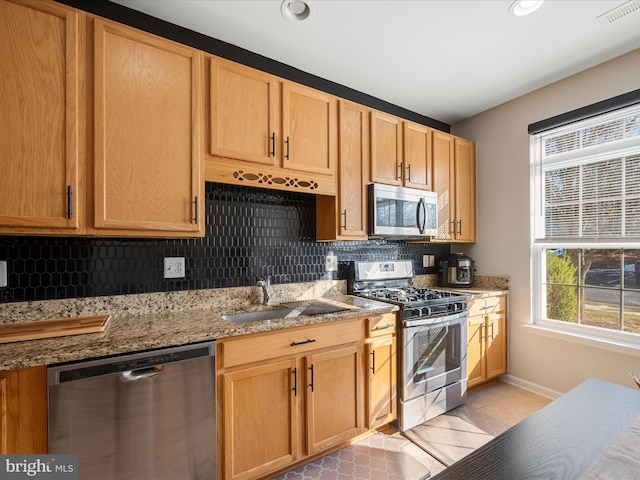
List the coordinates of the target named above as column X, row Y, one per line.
column 266, row 289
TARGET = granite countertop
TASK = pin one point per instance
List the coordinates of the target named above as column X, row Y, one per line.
column 134, row 332
column 476, row 292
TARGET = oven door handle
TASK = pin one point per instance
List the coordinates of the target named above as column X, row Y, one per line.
column 421, row 208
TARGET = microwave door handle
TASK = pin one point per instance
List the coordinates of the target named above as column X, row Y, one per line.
column 423, row 207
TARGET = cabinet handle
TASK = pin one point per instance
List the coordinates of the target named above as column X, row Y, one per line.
column 382, row 327
column 483, row 328
column 69, row 202
column 344, row 216
column 491, row 332
column 287, row 144
column 373, row 362
column 295, row 382
column 197, row 209
column 409, row 172
column 311, row 384
column 453, row 224
column 273, row 144
column 399, row 175
column 310, row 340
column 459, row 227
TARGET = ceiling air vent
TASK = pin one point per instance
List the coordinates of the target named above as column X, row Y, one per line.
column 620, row 11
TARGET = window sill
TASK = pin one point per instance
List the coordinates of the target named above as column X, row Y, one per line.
column 583, row 338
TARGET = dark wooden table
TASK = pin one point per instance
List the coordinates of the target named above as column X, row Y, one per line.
column 558, row 442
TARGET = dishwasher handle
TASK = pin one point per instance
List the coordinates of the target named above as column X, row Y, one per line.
column 141, row 373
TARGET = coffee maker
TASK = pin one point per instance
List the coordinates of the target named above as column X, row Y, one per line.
column 457, row 271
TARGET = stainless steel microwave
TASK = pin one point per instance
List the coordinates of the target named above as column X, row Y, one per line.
column 396, row 212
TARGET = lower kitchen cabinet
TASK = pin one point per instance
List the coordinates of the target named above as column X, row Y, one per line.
column 381, row 365
column 23, row 411
column 334, row 404
column 486, row 339
column 381, row 382
column 260, row 419
column 299, row 392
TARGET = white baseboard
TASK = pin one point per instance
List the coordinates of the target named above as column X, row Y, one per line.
column 530, row 386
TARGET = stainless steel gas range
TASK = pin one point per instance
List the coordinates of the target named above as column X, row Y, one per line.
column 432, row 330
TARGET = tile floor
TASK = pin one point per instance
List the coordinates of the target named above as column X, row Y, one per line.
column 390, row 455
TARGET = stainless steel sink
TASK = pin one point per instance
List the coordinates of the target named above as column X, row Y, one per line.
column 285, row 310
column 260, row 315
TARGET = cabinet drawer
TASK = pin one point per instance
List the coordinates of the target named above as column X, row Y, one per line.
column 290, row 341
column 380, row 325
column 486, row 305
column 495, row 304
column 476, row 307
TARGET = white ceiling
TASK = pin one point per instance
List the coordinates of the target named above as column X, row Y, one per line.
column 446, row 59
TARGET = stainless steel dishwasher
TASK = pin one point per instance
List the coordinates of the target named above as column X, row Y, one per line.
column 148, row 415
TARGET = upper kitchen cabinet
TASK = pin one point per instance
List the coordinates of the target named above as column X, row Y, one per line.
column 40, row 117
column 344, row 217
column 400, row 152
column 268, row 132
column 417, row 156
column 386, row 149
column 454, row 178
column 245, row 113
column 148, row 151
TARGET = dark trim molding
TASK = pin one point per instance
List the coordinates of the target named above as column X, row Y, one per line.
column 147, row 23
column 605, row 106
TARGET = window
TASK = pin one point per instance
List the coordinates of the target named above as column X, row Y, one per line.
column 585, row 184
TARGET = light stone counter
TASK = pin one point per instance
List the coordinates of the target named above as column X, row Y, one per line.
column 151, row 321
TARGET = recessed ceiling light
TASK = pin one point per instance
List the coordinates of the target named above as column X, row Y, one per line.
column 296, row 9
column 520, row 8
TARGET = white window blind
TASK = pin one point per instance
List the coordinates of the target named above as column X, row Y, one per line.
column 587, row 178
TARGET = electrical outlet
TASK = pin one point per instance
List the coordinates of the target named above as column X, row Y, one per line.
column 3, row 273
column 174, row 267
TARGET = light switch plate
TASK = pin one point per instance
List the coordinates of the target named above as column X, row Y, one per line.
column 174, row 267
column 428, row 261
column 3, row 273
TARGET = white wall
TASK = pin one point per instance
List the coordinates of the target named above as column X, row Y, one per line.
column 503, row 221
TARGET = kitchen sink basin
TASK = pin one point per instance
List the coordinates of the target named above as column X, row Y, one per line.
column 285, row 310
column 260, row 315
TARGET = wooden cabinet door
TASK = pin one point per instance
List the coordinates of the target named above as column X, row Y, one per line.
column 386, row 149
column 260, row 419
column 244, row 117
column 40, row 116
column 353, row 172
column 496, row 345
column 23, row 411
column 465, row 190
column 344, row 217
column 417, row 156
column 334, row 403
column 443, row 152
column 382, row 381
column 476, row 347
column 147, row 122
column 309, row 132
